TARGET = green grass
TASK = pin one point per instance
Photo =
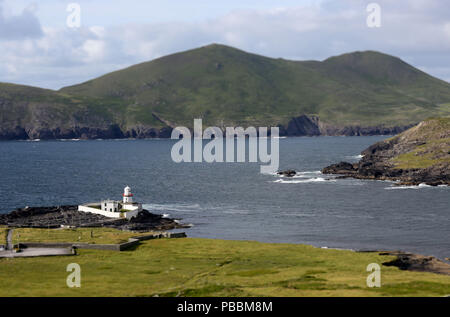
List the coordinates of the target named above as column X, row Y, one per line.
column 3, row 234
column 416, row 159
column 433, row 135
column 204, row 267
column 99, row 235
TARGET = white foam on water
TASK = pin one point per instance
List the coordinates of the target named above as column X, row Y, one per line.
column 306, row 180
column 309, row 172
column 420, row 186
column 355, row 157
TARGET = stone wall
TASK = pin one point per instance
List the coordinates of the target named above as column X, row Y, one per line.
column 106, row 247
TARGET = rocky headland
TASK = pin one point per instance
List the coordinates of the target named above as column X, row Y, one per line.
column 55, row 217
column 420, row 155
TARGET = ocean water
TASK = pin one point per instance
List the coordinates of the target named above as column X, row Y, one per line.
column 234, row 200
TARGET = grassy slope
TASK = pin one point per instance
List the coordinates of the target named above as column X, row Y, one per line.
column 226, row 86
column 21, row 105
column 202, row 267
column 435, row 133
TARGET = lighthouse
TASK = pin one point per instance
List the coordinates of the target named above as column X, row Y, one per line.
column 114, row 208
column 127, row 195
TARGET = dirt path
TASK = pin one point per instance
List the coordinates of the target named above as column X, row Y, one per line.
column 9, row 244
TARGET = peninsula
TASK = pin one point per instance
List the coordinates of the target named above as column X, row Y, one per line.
column 420, row 155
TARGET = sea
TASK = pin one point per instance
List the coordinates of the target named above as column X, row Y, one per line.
column 234, row 200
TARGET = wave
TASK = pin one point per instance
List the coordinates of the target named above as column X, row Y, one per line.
column 355, row 157
column 171, row 207
column 420, row 186
column 306, row 180
column 309, row 172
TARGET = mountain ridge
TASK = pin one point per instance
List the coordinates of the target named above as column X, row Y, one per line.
column 356, row 93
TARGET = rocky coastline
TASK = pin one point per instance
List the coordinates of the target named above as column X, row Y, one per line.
column 304, row 125
column 69, row 216
column 420, row 155
column 415, row 262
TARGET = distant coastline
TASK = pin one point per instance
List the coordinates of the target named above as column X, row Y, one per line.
column 302, row 126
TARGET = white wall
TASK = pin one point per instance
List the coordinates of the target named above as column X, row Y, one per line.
column 99, row 212
column 131, row 214
column 128, row 214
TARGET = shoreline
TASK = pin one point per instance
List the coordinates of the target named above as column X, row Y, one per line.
column 33, row 217
column 169, row 138
column 406, row 260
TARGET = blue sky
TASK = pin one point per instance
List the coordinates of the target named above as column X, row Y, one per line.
column 38, row 48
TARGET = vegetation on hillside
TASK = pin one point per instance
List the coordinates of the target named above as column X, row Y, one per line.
column 228, row 87
column 432, row 145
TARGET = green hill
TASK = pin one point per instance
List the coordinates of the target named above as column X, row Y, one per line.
column 356, row 93
column 30, row 112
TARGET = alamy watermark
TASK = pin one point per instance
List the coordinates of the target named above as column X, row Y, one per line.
column 74, row 18
column 374, row 278
column 74, row 278
column 374, row 17
column 213, row 151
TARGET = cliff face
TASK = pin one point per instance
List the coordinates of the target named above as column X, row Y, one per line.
column 312, row 126
column 41, row 127
column 418, row 155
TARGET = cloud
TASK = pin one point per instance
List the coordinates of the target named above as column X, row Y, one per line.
column 23, row 26
column 417, row 31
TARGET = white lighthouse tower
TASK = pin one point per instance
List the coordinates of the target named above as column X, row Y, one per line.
column 127, row 195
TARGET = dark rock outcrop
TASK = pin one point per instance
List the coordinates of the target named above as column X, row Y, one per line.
column 415, row 262
column 306, row 125
column 303, row 126
column 287, row 173
column 55, row 217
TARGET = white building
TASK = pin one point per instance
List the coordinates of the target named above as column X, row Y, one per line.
column 113, row 208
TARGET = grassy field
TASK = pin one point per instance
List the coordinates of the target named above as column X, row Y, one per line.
column 203, row 267
column 3, row 233
column 84, row 235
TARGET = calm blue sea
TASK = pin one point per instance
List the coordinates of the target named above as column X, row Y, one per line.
column 233, row 200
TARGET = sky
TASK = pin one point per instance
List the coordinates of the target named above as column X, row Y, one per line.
column 39, row 47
